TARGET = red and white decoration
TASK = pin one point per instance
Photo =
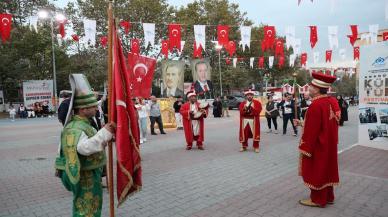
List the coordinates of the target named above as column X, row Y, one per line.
column 328, row 55
column 90, row 32
column 269, row 38
column 313, row 36
column 149, row 34
column 223, row 35
column 5, row 26
column 175, row 36
column 200, row 36
column 245, row 37
column 126, row 25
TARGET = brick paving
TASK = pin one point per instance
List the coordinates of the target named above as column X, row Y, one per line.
column 219, row 181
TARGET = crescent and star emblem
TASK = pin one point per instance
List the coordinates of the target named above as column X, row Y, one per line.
column 223, row 33
column 140, row 65
column 174, row 32
column 5, row 21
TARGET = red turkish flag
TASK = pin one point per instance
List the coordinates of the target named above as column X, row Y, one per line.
column 385, row 36
column 5, row 26
column 356, row 53
column 279, row 49
column 126, row 25
column 141, row 72
column 175, row 36
column 231, row 48
column 135, row 46
column 303, row 59
column 197, row 52
column 269, row 37
column 75, row 37
column 281, row 62
column 164, row 50
column 227, row 60
column 123, row 113
column 354, row 35
column 103, row 41
column 223, row 35
column 313, row 36
column 61, row 28
column 328, row 55
column 261, row 62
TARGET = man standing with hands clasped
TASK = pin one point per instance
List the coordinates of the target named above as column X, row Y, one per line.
column 318, row 146
column 250, row 121
column 193, row 121
column 81, row 154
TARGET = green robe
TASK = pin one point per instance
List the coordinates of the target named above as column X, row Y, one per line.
column 81, row 174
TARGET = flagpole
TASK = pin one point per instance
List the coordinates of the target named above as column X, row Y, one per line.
column 296, row 97
column 110, row 70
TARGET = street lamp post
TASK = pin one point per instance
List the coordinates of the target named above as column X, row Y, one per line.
column 44, row 15
column 218, row 48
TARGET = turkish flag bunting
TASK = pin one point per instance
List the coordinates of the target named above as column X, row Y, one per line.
column 75, row 37
column 281, row 62
column 227, row 60
column 135, row 46
column 231, row 48
column 313, row 36
column 175, row 36
column 126, row 25
column 103, row 41
column 328, row 55
column 5, row 26
column 303, row 59
column 261, row 62
column 269, row 37
column 223, row 35
column 354, row 35
column 263, row 45
column 123, row 113
column 197, row 52
column 279, row 49
column 61, row 27
column 356, row 53
column 164, row 50
column 385, row 36
column 141, row 72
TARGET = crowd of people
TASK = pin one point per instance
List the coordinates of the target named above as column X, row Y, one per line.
column 85, row 133
column 38, row 109
column 290, row 108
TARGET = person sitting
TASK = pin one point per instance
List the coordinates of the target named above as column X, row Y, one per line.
column 22, row 111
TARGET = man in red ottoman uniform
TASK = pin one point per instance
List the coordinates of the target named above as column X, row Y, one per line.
column 193, row 121
column 250, row 121
column 318, row 145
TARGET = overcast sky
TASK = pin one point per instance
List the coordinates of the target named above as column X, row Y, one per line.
column 282, row 13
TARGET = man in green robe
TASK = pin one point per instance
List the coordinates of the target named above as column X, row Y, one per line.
column 81, row 154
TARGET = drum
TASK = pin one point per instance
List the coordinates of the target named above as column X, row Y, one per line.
column 202, row 106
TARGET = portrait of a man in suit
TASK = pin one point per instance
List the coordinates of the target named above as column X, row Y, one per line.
column 201, row 73
column 172, row 74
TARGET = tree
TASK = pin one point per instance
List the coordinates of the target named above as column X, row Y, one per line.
column 27, row 55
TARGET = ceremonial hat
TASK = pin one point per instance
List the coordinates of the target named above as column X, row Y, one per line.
column 191, row 93
column 322, row 80
column 249, row 91
column 82, row 94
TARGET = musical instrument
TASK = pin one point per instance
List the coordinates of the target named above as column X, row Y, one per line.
column 202, row 108
column 248, row 109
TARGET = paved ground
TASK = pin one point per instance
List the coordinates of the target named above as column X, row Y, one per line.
column 219, row 181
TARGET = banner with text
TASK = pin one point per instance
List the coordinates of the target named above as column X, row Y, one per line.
column 373, row 107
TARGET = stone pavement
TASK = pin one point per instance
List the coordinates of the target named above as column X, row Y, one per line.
column 219, row 181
